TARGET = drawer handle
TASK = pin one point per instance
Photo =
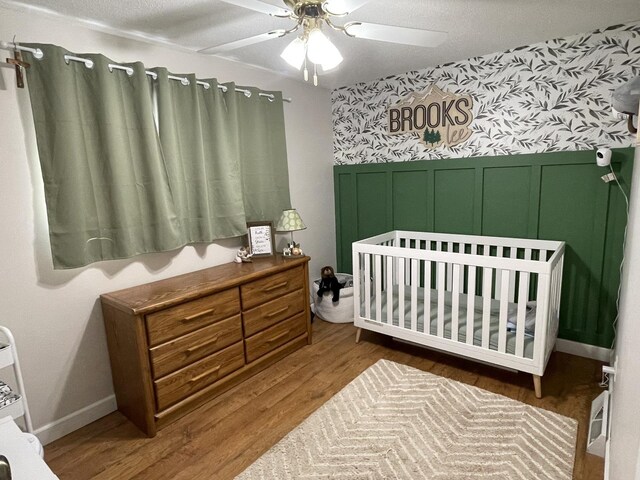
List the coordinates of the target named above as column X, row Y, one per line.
column 205, row 374
column 277, row 312
column 278, row 337
column 276, row 286
column 203, row 344
column 195, row 316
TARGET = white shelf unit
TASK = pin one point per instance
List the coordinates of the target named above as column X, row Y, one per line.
column 9, row 358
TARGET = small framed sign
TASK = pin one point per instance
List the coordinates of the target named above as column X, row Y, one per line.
column 261, row 242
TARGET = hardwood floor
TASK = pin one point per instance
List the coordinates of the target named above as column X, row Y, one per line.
column 226, row 435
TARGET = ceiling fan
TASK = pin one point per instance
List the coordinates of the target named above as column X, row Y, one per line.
column 312, row 45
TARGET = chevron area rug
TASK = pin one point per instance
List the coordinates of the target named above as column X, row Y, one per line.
column 397, row 422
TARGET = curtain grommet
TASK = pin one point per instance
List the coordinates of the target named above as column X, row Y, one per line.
column 113, row 66
column 87, row 61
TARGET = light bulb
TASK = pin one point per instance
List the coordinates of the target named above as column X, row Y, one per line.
column 321, row 51
column 294, row 53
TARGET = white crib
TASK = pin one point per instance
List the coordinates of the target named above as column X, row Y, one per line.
column 491, row 299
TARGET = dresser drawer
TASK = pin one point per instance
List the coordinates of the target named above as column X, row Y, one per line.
column 269, row 288
column 273, row 337
column 189, row 316
column 190, row 379
column 272, row 312
column 177, row 353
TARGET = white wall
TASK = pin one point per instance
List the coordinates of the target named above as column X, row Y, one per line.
column 55, row 315
column 625, row 421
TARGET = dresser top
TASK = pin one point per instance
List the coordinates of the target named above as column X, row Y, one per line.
column 150, row 297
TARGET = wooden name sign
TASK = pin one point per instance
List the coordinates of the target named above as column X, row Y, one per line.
column 440, row 118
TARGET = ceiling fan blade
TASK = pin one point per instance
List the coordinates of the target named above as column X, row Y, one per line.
column 343, row 7
column 402, row 35
column 245, row 42
column 261, row 7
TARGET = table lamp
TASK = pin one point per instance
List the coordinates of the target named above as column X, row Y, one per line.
column 290, row 221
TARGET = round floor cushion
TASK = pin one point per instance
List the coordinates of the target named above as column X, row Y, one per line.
column 340, row 311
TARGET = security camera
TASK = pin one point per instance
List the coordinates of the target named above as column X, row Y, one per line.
column 603, row 157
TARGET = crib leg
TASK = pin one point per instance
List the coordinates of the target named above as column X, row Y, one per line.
column 358, row 332
column 537, row 385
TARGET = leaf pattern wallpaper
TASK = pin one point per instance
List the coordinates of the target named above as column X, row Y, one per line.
column 551, row 96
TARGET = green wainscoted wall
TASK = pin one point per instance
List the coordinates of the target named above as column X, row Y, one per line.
column 554, row 196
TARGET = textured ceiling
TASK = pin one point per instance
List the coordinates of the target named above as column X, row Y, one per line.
column 475, row 27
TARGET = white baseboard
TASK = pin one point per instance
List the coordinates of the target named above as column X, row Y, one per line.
column 583, row 350
column 65, row 425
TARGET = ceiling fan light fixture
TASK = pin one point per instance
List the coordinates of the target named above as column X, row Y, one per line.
column 312, row 50
column 321, row 51
column 333, row 62
column 294, row 53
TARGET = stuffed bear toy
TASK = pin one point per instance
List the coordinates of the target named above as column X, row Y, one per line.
column 329, row 283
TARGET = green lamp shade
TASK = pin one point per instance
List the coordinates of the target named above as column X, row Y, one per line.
column 290, row 221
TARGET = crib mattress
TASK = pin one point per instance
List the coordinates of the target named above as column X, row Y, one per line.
column 462, row 320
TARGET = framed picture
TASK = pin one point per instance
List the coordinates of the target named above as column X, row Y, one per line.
column 261, row 242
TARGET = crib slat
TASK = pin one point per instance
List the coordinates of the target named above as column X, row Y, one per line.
column 414, row 294
column 498, row 284
column 407, row 273
column 455, row 302
column 512, row 283
column 471, row 298
column 367, row 285
column 504, row 307
column 427, row 297
column 401, row 269
column 389, row 290
column 449, row 268
column 378, row 291
column 523, row 291
column 441, row 292
column 486, row 306
column 556, row 294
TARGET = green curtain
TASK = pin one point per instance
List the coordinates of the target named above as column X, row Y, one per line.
column 106, row 185
column 197, row 133
column 118, row 185
column 263, row 154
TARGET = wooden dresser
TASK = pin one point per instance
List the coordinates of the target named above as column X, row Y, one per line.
column 176, row 343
